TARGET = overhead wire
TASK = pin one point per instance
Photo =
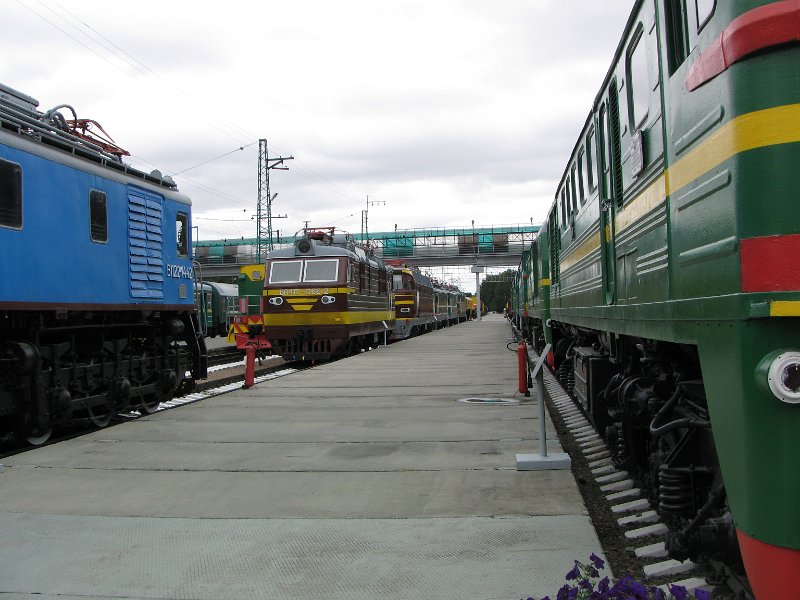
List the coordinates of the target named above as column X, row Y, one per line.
column 125, row 57
column 210, row 160
column 116, row 51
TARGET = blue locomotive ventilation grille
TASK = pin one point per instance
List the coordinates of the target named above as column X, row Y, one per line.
column 146, row 263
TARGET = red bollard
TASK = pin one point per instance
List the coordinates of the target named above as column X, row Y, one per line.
column 250, row 366
column 522, row 359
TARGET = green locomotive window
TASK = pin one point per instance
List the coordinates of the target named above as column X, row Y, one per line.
column 182, row 234
column 321, row 270
column 572, row 185
column 684, row 20
column 604, row 144
column 705, row 8
column 638, row 81
column 98, row 216
column 583, row 188
column 286, row 271
column 10, row 195
column 591, row 161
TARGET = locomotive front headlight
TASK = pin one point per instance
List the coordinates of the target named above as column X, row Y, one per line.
column 328, row 299
column 782, row 373
column 276, row 300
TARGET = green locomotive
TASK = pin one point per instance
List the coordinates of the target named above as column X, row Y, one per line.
column 665, row 276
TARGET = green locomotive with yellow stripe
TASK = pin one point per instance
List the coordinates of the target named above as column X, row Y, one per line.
column 666, row 276
column 321, row 298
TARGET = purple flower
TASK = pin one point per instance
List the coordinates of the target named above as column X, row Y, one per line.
column 702, row 595
column 574, row 573
column 603, row 585
column 597, row 561
column 679, row 592
column 658, row 593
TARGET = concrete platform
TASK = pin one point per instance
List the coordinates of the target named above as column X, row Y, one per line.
column 364, row 478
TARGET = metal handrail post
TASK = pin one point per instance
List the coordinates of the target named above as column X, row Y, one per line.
column 541, row 461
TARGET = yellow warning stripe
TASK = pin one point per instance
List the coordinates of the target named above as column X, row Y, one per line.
column 768, row 127
column 784, row 308
column 328, row 318
column 314, row 291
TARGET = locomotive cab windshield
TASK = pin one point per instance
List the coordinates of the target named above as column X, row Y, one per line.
column 304, row 271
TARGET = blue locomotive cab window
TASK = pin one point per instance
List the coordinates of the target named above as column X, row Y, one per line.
column 10, row 195
column 98, row 216
column 182, row 231
column 321, row 270
column 286, row 271
column 638, row 81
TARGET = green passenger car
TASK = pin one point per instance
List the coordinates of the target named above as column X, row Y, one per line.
column 674, row 288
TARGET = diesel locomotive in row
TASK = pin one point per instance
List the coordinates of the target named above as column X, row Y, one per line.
column 666, row 277
column 321, row 298
column 327, row 296
column 423, row 304
column 96, row 306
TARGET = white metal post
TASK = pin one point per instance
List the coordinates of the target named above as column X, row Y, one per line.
column 478, row 270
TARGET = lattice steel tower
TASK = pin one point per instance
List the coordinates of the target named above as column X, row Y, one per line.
column 264, row 207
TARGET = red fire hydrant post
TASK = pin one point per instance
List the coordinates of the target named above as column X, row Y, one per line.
column 522, row 360
column 250, row 366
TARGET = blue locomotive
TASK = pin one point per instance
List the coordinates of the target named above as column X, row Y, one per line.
column 97, row 304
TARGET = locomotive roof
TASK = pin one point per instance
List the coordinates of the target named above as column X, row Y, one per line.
column 49, row 135
column 322, row 245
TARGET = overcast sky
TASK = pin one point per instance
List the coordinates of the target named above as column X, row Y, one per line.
column 442, row 112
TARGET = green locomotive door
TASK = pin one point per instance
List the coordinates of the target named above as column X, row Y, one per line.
column 610, row 188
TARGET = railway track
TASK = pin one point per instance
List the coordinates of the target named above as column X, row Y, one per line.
column 226, row 373
column 632, row 533
column 220, row 357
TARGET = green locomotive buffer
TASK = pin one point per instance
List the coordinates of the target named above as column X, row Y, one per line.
column 677, row 220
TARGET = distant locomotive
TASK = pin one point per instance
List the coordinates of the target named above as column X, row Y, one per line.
column 449, row 304
column 217, row 306
column 322, row 298
column 423, row 304
column 666, row 276
column 96, row 307
column 413, row 300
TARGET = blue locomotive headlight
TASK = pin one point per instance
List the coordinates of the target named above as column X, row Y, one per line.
column 276, row 300
column 328, row 299
column 781, row 372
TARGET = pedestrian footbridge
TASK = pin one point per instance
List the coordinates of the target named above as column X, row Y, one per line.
column 495, row 246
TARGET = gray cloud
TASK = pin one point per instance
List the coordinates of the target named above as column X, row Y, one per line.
column 447, row 111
